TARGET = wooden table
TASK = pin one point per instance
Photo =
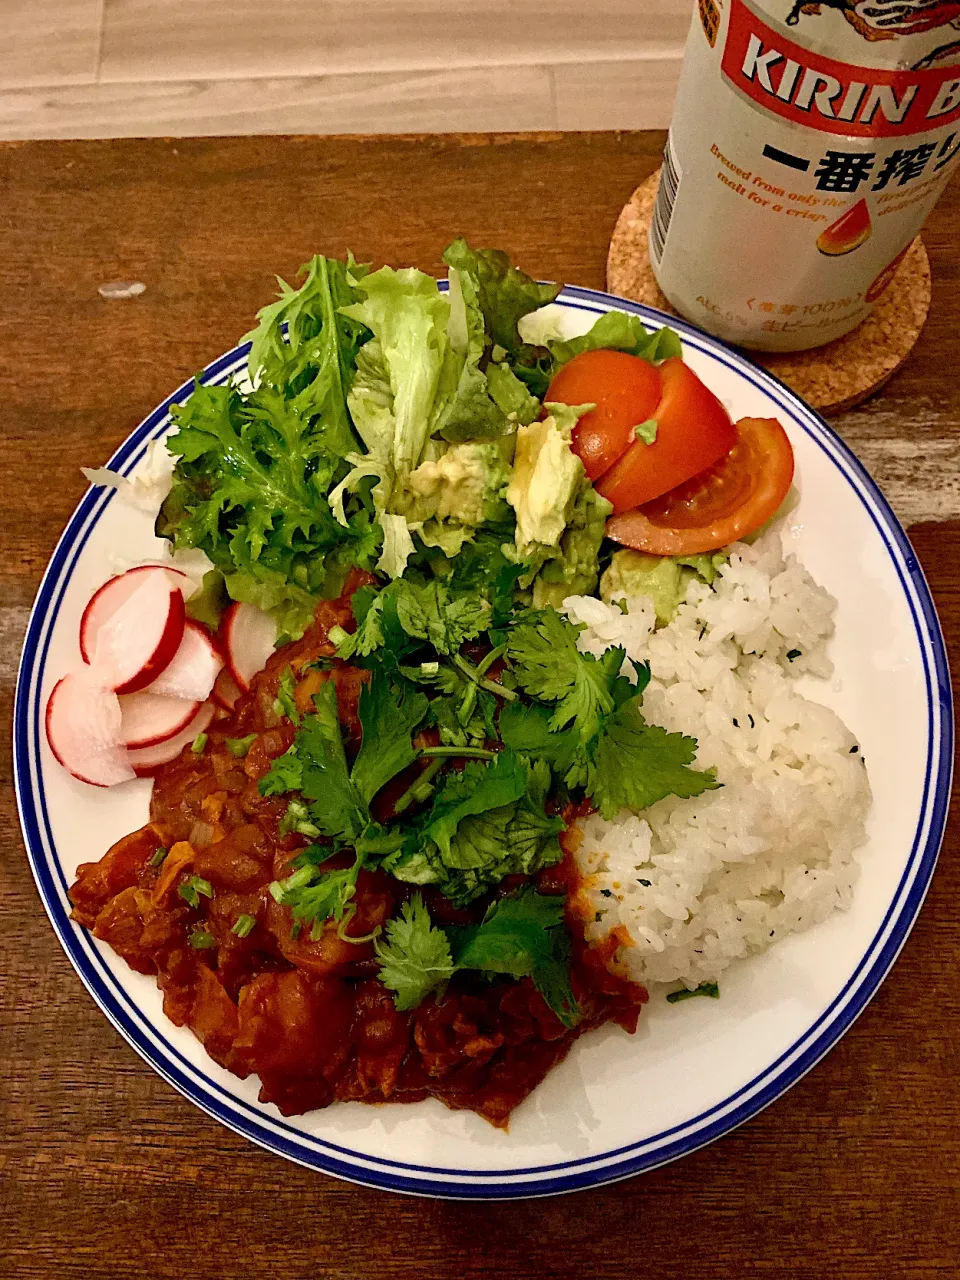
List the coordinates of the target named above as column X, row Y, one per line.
column 106, row 1172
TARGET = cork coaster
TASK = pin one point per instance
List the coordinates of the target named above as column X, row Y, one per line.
column 830, row 378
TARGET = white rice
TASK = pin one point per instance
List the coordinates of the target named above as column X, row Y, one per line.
column 696, row 884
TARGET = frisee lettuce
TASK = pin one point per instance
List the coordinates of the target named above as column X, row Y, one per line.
column 254, row 467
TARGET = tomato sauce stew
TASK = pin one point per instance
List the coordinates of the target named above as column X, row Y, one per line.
column 309, row 1016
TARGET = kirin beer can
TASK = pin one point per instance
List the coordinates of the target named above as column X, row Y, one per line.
column 809, row 142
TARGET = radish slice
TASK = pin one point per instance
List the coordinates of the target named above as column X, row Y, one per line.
column 147, row 761
column 226, row 691
column 106, row 600
column 194, row 668
column 250, row 636
column 83, row 724
column 141, row 639
column 149, row 718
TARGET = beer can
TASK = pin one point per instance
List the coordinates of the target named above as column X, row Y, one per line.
column 810, row 140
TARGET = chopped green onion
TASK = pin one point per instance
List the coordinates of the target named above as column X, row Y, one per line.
column 297, row 818
column 199, row 744
column 286, row 700
column 429, row 668
column 243, row 926
column 473, row 673
column 337, row 635
column 200, row 940
column 705, row 989
column 240, row 746
column 280, row 888
column 191, row 890
column 158, row 857
column 420, row 789
column 295, row 929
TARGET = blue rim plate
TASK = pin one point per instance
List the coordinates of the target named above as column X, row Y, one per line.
column 617, row 1106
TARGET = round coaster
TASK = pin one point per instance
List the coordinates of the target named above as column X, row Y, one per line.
column 832, row 378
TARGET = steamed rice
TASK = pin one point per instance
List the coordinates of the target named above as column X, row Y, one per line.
column 696, row 884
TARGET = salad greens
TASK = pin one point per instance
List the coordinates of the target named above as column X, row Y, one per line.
column 392, row 426
column 255, row 468
column 386, row 422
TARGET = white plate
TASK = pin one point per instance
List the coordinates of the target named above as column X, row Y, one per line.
column 619, row 1104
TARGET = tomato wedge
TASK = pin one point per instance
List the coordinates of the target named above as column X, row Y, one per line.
column 626, row 391
column 693, row 431
column 728, row 501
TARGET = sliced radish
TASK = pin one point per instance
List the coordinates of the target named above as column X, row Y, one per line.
column 150, row 718
column 83, row 723
column 226, row 691
column 141, row 639
column 147, row 761
column 250, row 636
column 194, row 668
column 106, row 600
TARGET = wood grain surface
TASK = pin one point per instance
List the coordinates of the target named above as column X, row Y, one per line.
column 105, row 1172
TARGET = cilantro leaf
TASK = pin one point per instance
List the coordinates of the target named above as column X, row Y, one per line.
column 415, row 956
column 532, row 833
column 429, row 613
column 482, row 845
column 317, row 765
column 523, row 935
column 461, row 722
column 548, row 665
column 478, row 788
column 315, row 897
column 406, row 611
column 387, row 720
column 285, row 774
column 367, row 605
column 526, row 728
column 512, row 937
column 435, row 675
column 552, row 979
column 709, row 989
column 635, row 764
